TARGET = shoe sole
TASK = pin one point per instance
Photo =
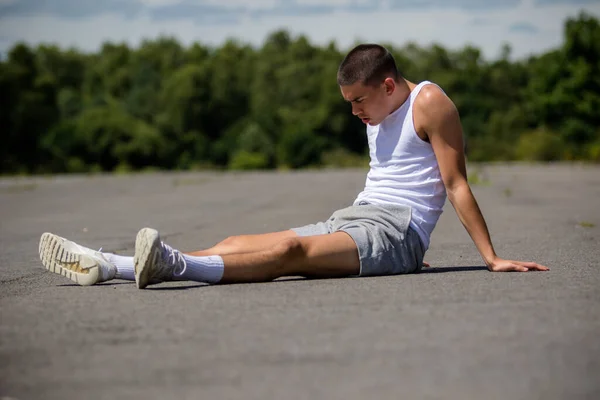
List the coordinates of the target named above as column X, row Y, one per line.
column 146, row 250
column 77, row 267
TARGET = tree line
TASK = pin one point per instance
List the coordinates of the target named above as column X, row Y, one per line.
column 166, row 106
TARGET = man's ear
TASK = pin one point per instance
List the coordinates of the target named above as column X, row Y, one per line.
column 390, row 86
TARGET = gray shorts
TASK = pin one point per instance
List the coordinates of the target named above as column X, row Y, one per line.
column 387, row 245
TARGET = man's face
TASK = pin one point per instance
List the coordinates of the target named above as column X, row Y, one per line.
column 372, row 104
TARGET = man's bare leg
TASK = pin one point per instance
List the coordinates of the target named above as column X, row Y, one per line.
column 249, row 244
column 321, row 256
column 245, row 244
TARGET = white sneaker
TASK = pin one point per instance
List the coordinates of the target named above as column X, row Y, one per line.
column 80, row 264
column 154, row 260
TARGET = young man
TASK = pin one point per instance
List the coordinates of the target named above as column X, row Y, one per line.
column 417, row 159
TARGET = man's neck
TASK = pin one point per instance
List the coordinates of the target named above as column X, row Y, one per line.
column 402, row 92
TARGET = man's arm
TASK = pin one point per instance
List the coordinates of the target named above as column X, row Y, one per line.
column 437, row 116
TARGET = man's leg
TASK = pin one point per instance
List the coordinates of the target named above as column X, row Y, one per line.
column 88, row 267
column 245, row 244
column 324, row 256
column 321, row 256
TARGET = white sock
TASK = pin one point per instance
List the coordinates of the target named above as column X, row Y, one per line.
column 207, row 269
column 124, row 266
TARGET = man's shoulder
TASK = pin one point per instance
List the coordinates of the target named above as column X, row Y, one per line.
column 432, row 104
column 431, row 95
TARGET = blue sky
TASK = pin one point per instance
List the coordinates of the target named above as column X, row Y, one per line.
column 529, row 26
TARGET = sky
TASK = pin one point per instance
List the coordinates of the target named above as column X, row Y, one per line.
column 528, row 26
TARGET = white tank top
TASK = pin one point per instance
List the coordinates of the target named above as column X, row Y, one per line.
column 404, row 169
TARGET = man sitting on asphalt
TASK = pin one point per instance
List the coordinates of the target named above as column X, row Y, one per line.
column 417, row 160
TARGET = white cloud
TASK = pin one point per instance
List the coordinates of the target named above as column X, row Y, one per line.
column 332, row 2
column 243, row 3
column 232, row 4
column 452, row 28
column 155, row 3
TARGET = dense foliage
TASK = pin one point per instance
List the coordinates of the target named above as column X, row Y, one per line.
column 278, row 106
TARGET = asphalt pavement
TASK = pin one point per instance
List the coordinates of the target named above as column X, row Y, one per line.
column 454, row 331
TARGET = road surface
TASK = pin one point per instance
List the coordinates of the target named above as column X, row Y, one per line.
column 455, row 331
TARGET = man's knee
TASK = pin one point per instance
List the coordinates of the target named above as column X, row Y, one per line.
column 231, row 241
column 289, row 249
column 283, row 257
column 235, row 243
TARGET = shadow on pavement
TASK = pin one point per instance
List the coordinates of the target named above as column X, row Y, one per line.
column 97, row 284
column 436, row 270
column 424, row 270
column 199, row 285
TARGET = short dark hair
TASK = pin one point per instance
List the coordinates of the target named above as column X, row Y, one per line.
column 368, row 63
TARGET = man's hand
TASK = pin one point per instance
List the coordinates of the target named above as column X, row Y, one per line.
column 500, row 265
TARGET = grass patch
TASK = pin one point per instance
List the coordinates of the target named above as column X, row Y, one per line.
column 586, row 224
column 507, row 192
column 189, row 181
column 477, row 177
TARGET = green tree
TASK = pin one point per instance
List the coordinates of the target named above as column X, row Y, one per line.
column 30, row 110
column 110, row 138
column 236, row 106
column 564, row 90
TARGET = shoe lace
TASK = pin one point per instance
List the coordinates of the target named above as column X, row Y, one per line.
column 107, row 257
column 173, row 258
column 106, row 274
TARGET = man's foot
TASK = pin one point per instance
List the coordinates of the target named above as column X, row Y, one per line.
column 80, row 264
column 154, row 261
